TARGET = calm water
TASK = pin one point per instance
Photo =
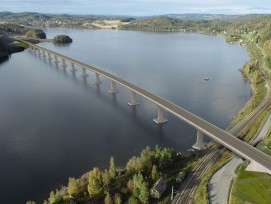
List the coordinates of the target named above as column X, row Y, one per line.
column 54, row 125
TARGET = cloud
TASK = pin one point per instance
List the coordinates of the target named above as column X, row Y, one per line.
column 137, row 7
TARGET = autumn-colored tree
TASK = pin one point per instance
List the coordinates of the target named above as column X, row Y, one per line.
column 117, row 199
column 108, row 199
column 73, row 188
column 112, row 168
column 95, row 183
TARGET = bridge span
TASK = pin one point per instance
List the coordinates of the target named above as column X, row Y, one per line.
column 203, row 127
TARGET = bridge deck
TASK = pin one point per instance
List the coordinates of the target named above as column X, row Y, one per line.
column 239, row 147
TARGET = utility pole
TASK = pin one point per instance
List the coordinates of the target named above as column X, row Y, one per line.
column 172, row 194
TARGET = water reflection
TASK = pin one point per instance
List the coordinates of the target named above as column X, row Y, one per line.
column 4, row 60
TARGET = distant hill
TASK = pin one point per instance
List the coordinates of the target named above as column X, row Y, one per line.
column 54, row 20
column 198, row 16
column 159, row 23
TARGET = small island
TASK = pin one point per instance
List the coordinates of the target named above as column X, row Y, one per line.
column 62, row 39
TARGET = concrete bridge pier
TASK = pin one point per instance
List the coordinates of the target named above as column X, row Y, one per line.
column 113, row 88
column 63, row 63
column 160, row 119
column 49, row 56
column 56, row 61
column 43, row 54
column 97, row 79
column 199, row 145
column 133, row 99
column 39, row 51
column 84, row 74
column 73, row 68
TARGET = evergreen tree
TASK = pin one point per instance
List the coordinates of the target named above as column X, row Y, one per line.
column 112, row 168
column 155, row 175
column 140, row 188
column 144, row 193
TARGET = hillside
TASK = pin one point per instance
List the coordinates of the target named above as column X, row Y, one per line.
column 53, row 20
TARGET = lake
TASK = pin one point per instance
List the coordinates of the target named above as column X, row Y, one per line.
column 55, row 125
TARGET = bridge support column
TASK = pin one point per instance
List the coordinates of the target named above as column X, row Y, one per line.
column 73, row 68
column 63, row 63
column 49, row 56
column 39, row 52
column 113, row 88
column 199, row 145
column 84, row 74
column 43, row 53
column 133, row 99
column 56, row 61
column 160, row 119
column 97, row 79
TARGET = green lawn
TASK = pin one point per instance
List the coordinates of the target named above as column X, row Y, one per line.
column 251, row 187
column 21, row 44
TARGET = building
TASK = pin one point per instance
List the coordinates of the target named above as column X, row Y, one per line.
column 158, row 188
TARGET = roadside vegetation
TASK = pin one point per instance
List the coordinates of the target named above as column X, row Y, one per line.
column 250, row 187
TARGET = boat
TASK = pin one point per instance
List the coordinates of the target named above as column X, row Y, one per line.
column 206, row 79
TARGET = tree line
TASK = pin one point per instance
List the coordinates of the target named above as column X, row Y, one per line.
column 129, row 184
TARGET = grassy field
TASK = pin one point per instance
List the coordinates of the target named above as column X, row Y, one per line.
column 251, row 187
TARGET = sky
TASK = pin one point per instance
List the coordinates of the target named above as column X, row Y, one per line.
column 138, row 7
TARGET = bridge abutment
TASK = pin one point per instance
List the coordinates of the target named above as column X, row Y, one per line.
column 199, row 145
column 160, row 119
column 113, row 88
column 97, row 79
column 133, row 99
